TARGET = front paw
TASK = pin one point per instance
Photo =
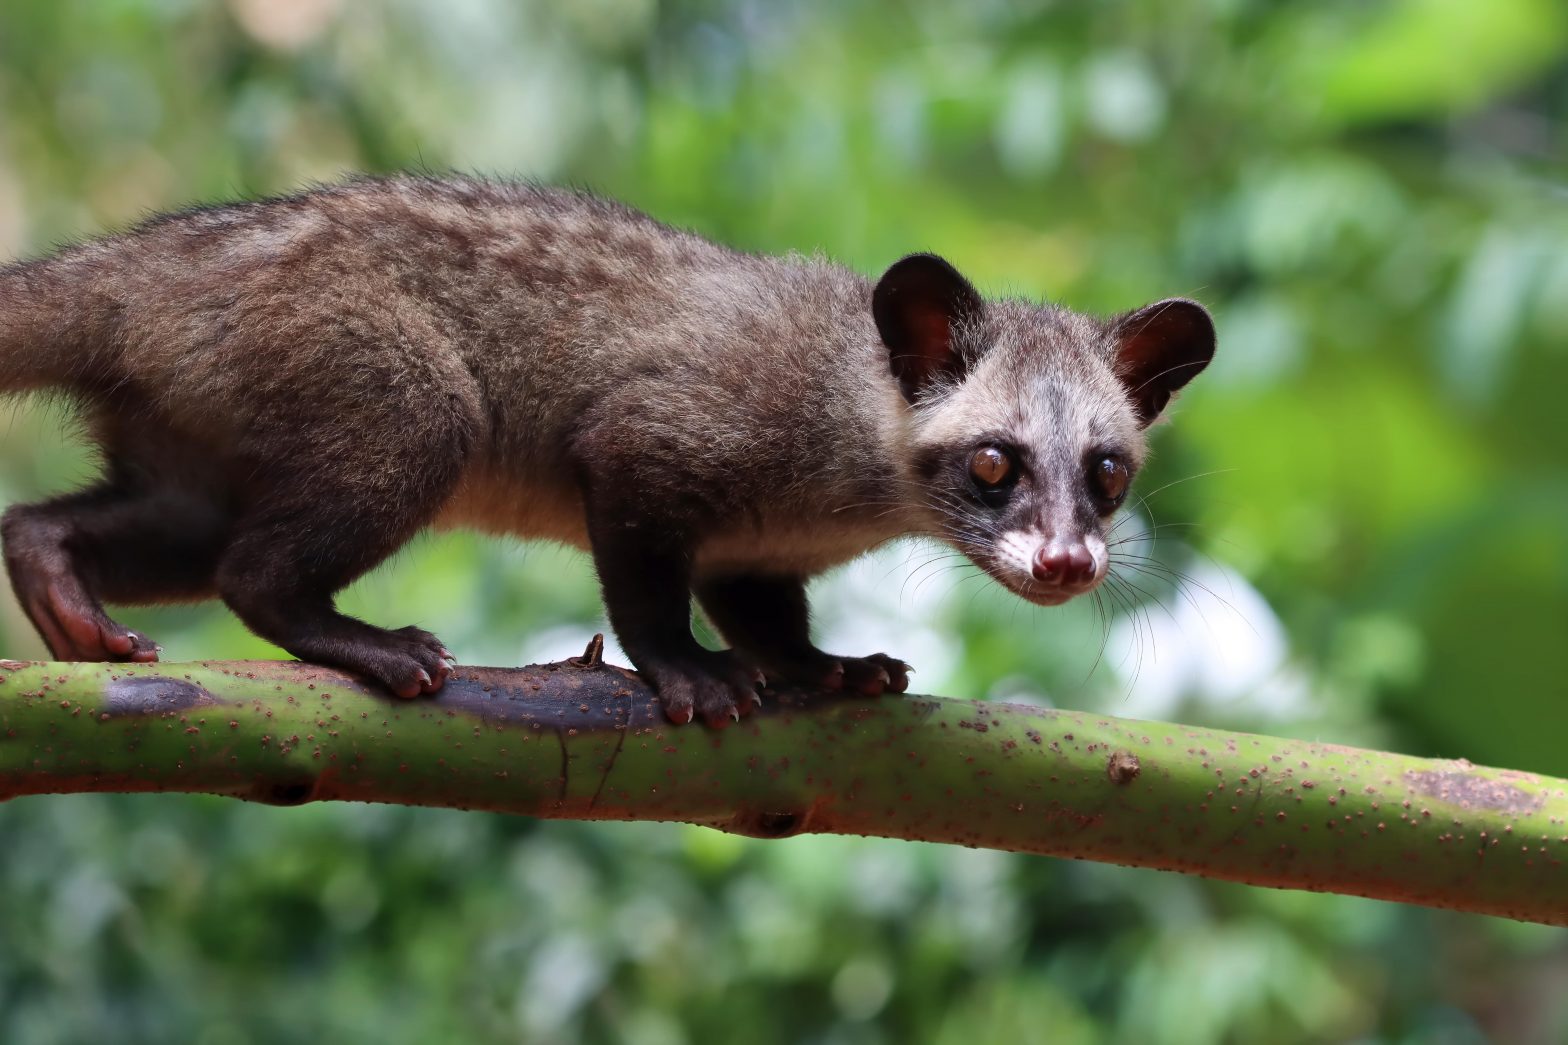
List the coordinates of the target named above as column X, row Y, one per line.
column 410, row 661
column 874, row 675
column 720, row 686
column 869, row 676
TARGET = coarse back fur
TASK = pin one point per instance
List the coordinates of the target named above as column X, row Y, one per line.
column 532, row 310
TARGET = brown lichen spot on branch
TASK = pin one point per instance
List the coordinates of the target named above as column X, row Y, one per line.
column 1463, row 786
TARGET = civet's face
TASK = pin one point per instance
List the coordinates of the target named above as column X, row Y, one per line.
column 1030, row 419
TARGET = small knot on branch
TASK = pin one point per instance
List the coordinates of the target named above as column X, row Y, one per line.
column 768, row 824
column 284, row 792
column 1122, row 768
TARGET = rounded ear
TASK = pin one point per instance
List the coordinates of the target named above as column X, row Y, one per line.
column 1159, row 348
column 918, row 304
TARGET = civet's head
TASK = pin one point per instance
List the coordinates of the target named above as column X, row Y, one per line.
column 1029, row 420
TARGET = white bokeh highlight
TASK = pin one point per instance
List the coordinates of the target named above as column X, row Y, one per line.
column 1216, row 640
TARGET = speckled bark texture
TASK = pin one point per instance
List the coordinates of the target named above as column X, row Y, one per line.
column 588, row 741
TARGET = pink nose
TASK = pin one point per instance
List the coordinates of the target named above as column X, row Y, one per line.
column 1064, row 565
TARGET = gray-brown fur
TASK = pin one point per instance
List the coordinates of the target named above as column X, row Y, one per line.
column 287, row 391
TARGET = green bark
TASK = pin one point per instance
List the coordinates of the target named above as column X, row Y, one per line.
column 587, row 741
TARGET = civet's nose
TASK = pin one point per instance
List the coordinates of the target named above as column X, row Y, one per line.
column 1064, row 565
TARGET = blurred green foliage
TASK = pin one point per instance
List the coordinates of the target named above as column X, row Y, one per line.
column 1368, row 496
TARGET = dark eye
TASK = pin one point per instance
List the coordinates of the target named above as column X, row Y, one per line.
column 1109, row 478
column 990, row 467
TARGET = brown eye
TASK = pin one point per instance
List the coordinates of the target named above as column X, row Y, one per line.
column 1110, row 478
column 990, row 466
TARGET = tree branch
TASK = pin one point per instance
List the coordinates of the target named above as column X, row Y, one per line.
column 587, row 741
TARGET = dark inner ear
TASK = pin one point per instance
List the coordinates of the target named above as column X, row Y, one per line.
column 1161, row 347
column 918, row 304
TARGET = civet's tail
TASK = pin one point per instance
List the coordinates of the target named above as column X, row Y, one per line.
column 52, row 328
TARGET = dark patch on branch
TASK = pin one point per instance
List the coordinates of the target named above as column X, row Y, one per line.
column 564, row 696
column 1470, row 790
column 134, row 695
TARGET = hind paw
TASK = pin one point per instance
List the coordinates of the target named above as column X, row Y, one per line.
column 75, row 627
